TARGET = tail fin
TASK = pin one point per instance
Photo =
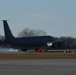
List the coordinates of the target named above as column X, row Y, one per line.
column 7, row 30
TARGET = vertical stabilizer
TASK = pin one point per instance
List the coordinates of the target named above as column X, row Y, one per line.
column 7, row 30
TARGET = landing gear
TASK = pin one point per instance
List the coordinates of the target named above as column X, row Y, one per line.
column 37, row 50
column 46, row 50
column 24, row 50
column 41, row 49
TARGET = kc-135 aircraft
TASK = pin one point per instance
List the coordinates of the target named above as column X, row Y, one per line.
column 36, row 42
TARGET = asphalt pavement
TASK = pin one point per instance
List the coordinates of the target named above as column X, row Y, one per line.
column 38, row 67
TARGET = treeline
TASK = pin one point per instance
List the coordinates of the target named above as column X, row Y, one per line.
column 69, row 42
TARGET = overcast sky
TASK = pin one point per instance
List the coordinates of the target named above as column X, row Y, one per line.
column 56, row 17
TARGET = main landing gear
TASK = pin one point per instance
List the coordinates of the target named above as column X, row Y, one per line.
column 41, row 49
column 24, row 50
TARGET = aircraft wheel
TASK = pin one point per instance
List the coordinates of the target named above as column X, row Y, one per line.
column 46, row 50
column 36, row 50
column 24, row 50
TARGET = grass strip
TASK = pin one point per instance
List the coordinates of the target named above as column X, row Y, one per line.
column 34, row 55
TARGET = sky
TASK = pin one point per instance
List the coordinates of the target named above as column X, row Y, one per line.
column 56, row 17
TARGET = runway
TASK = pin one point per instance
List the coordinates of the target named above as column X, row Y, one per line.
column 38, row 67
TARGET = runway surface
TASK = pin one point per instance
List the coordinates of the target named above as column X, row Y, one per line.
column 38, row 67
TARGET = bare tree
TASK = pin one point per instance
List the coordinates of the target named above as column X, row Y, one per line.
column 70, row 42
column 27, row 32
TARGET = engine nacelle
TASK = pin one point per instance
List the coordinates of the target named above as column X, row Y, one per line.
column 49, row 44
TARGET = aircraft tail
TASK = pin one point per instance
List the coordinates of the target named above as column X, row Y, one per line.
column 7, row 31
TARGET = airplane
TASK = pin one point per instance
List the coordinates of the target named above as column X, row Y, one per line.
column 24, row 43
